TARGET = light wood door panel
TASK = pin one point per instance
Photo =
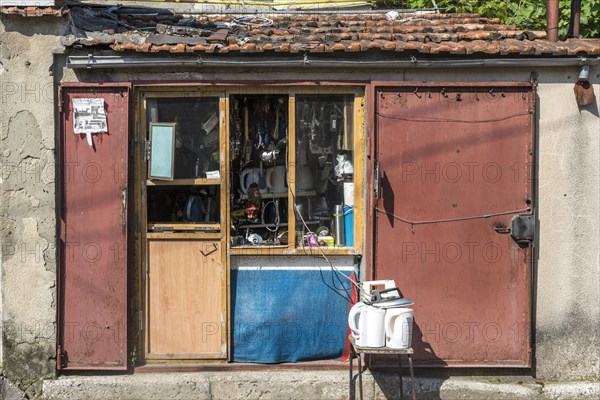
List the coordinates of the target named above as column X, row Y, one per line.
column 185, row 314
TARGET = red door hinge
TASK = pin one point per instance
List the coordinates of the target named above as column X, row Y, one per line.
column 59, row 357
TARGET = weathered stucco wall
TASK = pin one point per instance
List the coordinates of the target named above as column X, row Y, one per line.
column 568, row 300
column 27, row 207
column 567, row 297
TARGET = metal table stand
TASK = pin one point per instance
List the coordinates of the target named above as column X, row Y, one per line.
column 356, row 352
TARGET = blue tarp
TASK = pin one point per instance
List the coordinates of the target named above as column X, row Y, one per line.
column 288, row 315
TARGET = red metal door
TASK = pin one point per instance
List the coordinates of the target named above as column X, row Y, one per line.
column 455, row 163
column 93, row 270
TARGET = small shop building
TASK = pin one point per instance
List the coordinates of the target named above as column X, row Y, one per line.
column 220, row 183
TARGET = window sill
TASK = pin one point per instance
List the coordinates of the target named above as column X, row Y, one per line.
column 285, row 250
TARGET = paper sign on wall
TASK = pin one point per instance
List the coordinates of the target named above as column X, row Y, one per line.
column 89, row 116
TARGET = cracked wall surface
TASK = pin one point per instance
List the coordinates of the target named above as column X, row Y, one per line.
column 27, row 207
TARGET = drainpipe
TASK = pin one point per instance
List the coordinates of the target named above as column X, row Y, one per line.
column 552, row 20
column 576, row 13
column 574, row 19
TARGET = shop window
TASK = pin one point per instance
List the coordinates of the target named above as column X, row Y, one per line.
column 259, row 152
column 192, row 124
column 183, row 155
column 292, row 165
column 324, row 170
column 278, row 167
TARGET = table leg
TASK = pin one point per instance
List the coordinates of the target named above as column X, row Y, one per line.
column 412, row 377
column 360, row 371
column 400, row 376
column 351, row 388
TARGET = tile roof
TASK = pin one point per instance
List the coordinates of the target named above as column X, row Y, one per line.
column 34, row 11
column 158, row 30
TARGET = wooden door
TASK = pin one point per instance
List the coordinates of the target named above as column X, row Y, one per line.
column 92, row 331
column 186, row 310
column 455, row 166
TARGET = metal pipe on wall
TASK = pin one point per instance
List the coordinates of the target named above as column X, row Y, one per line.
column 92, row 62
column 576, row 10
column 552, row 13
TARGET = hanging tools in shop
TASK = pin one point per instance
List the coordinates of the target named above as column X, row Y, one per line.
column 247, row 143
column 236, row 132
column 321, row 165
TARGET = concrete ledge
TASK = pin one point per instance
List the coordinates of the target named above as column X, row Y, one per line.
column 8, row 391
column 305, row 385
column 574, row 390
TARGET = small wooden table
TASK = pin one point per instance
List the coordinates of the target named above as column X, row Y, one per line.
column 356, row 352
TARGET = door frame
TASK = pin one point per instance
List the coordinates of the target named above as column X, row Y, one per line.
column 228, row 88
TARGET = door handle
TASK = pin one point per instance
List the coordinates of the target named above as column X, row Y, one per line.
column 123, row 205
column 502, row 229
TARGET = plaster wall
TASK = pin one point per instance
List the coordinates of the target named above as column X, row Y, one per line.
column 566, row 278
column 27, row 200
column 568, row 296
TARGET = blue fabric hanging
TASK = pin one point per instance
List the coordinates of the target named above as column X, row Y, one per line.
column 288, row 315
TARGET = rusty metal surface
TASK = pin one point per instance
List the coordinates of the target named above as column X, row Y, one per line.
column 456, row 164
column 552, row 17
column 93, row 270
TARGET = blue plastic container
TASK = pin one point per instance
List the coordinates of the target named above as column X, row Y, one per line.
column 349, row 225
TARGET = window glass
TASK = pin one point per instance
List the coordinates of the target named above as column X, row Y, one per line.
column 196, row 151
column 259, row 187
column 324, row 196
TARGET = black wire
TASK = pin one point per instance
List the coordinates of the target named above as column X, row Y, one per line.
column 434, row 119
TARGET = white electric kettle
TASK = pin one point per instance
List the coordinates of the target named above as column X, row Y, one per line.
column 366, row 325
column 249, row 176
column 276, row 179
column 398, row 328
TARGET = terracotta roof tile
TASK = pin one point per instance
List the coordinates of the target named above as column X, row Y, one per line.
column 34, row 11
column 338, row 47
column 458, row 34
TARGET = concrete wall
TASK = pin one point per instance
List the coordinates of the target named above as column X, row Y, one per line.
column 568, row 303
column 27, row 206
column 567, row 295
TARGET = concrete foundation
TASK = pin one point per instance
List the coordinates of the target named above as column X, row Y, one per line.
column 307, row 385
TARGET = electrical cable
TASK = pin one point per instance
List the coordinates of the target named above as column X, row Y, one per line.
column 434, row 119
column 323, row 255
column 437, row 221
column 267, row 3
column 516, row 13
column 250, row 22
